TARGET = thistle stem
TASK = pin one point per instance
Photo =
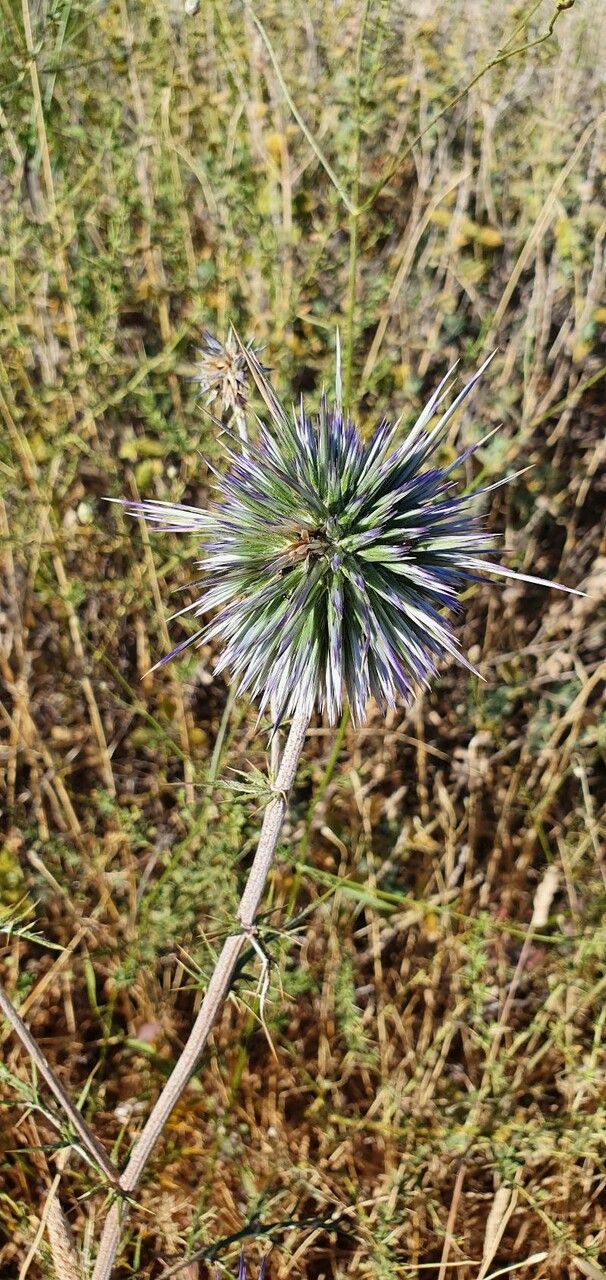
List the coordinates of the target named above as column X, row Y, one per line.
column 216, row 994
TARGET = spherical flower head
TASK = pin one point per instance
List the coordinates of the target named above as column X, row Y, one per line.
column 222, row 373
column 335, row 565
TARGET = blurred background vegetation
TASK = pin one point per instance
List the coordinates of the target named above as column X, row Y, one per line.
column 427, row 1096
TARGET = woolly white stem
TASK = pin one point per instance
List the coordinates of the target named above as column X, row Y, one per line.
column 216, row 993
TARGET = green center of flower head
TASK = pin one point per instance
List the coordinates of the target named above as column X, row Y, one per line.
column 325, row 541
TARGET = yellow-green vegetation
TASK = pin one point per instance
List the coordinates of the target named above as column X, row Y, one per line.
column 422, row 1093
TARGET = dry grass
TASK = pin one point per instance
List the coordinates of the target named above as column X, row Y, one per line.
column 432, row 1101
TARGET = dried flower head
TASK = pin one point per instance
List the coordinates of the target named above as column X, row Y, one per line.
column 333, row 563
column 223, row 374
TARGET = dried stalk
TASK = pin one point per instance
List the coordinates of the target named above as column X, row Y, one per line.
column 87, row 1137
column 65, row 1258
column 216, row 993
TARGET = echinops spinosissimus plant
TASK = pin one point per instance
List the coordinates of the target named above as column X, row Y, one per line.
column 334, row 568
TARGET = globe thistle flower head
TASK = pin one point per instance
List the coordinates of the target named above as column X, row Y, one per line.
column 222, row 373
column 334, row 566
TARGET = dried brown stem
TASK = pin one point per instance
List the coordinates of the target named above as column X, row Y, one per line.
column 88, row 1139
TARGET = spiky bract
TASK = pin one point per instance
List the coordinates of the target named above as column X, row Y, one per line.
column 331, row 561
column 242, row 1269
